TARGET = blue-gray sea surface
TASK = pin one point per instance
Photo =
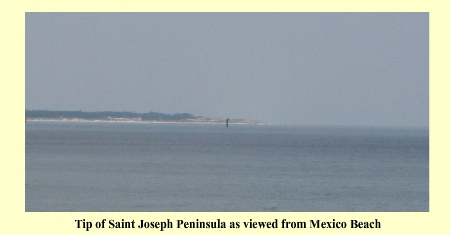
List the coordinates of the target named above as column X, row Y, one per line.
column 76, row 166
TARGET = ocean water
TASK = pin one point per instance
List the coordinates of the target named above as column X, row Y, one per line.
column 76, row 166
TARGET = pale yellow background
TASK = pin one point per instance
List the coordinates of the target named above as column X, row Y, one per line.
column 14, row 220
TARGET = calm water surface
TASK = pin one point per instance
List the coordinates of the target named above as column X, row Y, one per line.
column 199, row 167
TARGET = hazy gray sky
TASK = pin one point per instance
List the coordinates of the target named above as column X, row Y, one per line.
column 282, row 68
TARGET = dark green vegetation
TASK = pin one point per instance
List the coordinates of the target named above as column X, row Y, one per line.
column 41, row 114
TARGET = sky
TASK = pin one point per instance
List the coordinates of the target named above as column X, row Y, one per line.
column 351, row 69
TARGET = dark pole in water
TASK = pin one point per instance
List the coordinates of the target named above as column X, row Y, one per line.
column 227, row 121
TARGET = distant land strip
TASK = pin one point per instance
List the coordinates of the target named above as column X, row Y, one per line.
column 110, row 116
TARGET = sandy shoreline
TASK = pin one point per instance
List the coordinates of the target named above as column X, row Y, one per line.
column 137, row 120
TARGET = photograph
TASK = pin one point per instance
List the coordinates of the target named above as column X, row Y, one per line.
column 227, row 112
